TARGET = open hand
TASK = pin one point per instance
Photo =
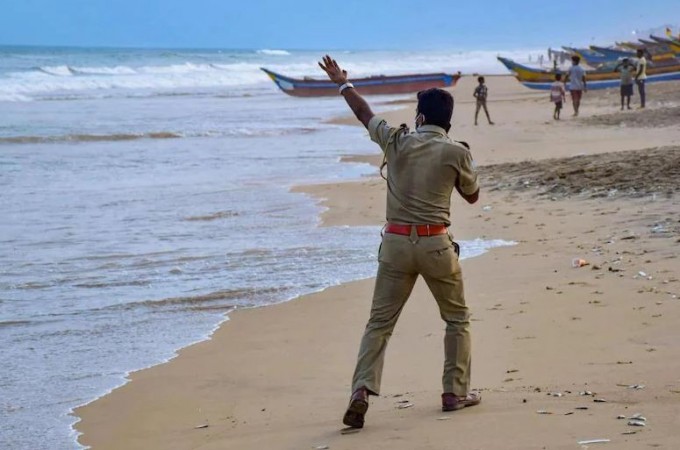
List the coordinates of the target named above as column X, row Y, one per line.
column 333, row 70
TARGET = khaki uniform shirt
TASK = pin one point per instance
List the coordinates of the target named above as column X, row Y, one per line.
column 422, row 170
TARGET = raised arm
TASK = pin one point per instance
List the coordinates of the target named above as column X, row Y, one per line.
column 356, row 102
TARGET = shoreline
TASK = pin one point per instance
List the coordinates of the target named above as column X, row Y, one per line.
column 507, row 213
column 128, row 376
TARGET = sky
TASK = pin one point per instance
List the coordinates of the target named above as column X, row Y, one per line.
column 320, row 24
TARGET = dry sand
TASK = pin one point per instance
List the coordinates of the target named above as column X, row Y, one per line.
column 543, row 332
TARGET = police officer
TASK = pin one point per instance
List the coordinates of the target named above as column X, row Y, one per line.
column 423, row 169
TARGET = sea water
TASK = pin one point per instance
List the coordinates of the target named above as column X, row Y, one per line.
column 145, row 194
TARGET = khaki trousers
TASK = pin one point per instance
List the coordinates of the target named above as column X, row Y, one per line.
column 401, row 260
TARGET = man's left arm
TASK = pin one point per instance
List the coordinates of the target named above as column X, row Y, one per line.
column 356, row 102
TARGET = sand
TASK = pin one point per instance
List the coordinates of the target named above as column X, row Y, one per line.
column 544, row 333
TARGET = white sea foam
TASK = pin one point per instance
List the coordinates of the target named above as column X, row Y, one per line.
column 13, row 97
column 267, row 51
column 61, row 71
column 234, row 71
column 103, row 70
column 19, row 86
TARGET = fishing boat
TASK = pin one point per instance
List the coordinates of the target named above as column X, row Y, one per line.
column 596, row 56
column 628, row 45
column 589, row 56
column 674, row 44
column 612, row 54
column 653, row 50
column 659, row 50
column 376, row 85
column 597, row 78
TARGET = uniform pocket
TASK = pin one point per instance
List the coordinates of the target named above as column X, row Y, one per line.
column 439, row 258
column 396, row 251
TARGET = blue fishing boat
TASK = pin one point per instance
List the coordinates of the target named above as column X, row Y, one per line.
column 597, row 79
column 376, row 85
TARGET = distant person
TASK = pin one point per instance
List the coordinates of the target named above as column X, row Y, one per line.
column 625, row 69
column 641, row 75
column 576, row 75
column 557, row 95
column 540, row 60
column 423, row 169
column 481, row 93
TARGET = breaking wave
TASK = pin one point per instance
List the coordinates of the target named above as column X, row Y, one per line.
column 117, row 70
column 232, row 132
column 59, row 71
column 237, row 71
column 65, row 80
column 223, row 299
column 86, row 138
column 267, row 51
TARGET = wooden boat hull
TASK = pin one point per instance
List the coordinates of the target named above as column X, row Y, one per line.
column 596, row 56
column 542, row 79
column 589, row 56
column 612, row 54
column 379, row 85
column 674, row 44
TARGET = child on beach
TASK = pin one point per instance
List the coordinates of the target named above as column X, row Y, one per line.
column 481, row 92
column 626, row 69
column 557, row 95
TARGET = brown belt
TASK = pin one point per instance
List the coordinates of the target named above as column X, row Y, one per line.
column 422, row 230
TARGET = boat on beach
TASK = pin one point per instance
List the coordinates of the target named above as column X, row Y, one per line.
column 597, row 79
column 612, row 54
column 375, row 85
column 589, row 55
column 674, row 44
column 596, row 56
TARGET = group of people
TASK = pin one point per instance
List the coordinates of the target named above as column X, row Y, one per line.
column 630, row 72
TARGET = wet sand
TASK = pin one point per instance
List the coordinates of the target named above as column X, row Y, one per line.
column 548, row 339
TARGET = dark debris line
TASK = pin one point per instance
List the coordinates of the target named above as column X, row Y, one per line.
column 636, row 173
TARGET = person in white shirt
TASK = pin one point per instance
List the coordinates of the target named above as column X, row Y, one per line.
column 557, row 95
column 576, row 76
column 641, row 75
